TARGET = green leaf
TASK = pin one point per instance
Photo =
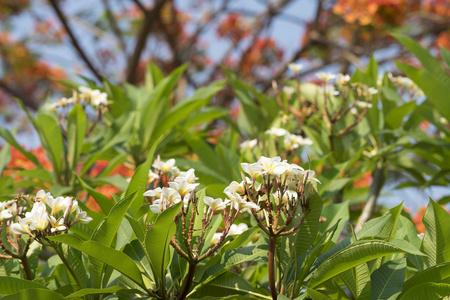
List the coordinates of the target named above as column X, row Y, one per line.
column 316, row 295
column 232, row 258
column 11, row 285
column 5, row 157
column 445, row 56
column 241, row 240
column 395, row 116
column 433, row 274
column 357, row 280
column 355, row 254
column 76, row 130
column 158, row 239
column 90, row 291
column 4, row 133
column 429, row 62
column 307, row 233
column 139, row 181
column 116, row 259
column 388, row 280
column 436, row 241
column 34, row 294
column 105, row 233
column 435, row 90
column 51, row 139
column 104, row 202
column 333, row 213
column 154, row 106
column 107, row 229
column 427, row 291
column 74, row 257
column 229, row 284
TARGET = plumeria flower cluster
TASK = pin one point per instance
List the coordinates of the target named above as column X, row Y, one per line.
column 182, row 189
column 291, row 141
column 49, row 216
column 94, row 97
column 406, row 85
column 163, row 172
column 275, row 188
column 8, row 209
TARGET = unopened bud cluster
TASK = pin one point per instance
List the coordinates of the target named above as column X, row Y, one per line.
column 274, row 188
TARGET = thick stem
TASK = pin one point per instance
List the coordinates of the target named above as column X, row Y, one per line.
column 273, row 289
column 187, row 284
column 26, row 267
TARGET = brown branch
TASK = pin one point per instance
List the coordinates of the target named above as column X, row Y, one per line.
column 114, row 27
column 73, row 39
column 141, row 6
column 150, row 17
column 18, row 94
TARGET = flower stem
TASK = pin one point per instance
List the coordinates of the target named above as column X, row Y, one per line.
column 187, row 284
column 66, row 263
column 272, row 243
column 26, row 267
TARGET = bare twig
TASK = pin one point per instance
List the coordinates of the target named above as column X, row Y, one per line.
column 150, row 17
column 73, row 39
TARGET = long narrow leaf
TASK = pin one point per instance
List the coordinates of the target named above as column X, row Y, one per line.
column 116, row 259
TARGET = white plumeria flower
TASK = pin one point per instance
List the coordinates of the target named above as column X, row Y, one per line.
column 183, row 187
column 237, row 229
column 59, row 204
column 38, row 218
column 20, row 228
column 292, row 141
column 289, row 91
column 164, row 166
column 12, row 207
column 215, row 204
column 325, row 77
column 310, row 174
column 57, row 225
column 254, row 170
column 362, row 104
column 240, row 203
column 296, row 68
column 288, row 195
column 153, row 193
column 372, row 91
column 174, row 172
column 43, row 196
column 274, row 131
column 152, row 176
column 81, row 217
column 170, row 195
column 100, row 99
column 216, row 238
column 329, row 90
column 249, row 145
column 271, row 166
column 343, row 79
column 292, row 170
column 156, row 207
column 188, row 176
column 236, row 187
column 5, row 215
